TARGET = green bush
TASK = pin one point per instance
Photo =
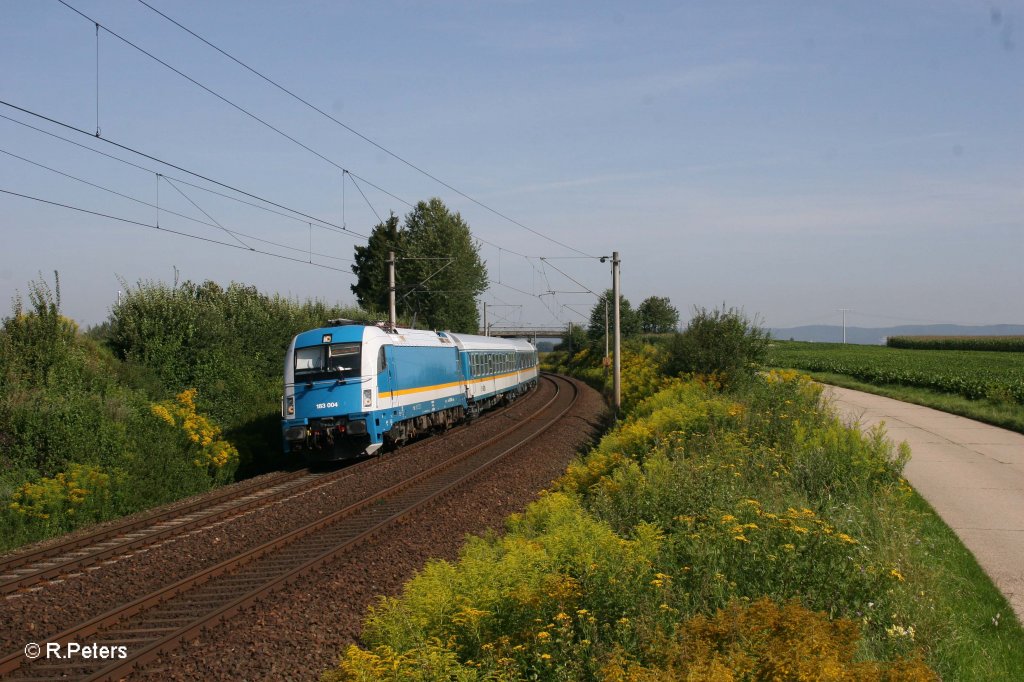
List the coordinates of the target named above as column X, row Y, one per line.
column 720, row 342
column 79, row 443
column 228, row 343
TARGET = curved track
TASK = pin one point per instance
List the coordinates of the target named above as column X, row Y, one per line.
column 67, row 559
column 159, row 621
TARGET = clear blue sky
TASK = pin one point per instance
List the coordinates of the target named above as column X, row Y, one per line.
column 791, row 158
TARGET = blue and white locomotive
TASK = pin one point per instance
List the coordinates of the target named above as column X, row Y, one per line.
column 349, row 388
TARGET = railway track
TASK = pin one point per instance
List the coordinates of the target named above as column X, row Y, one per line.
column 68, row 559
column 159, row 621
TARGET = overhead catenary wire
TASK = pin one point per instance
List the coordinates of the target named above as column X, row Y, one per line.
column 320, row 222
column 233, row 104
column 351, row 174
column 108, row 140
column 164, row 210
column 299, row 216
column 169, row 231
column 361, row 135
column 97, row 80
column 201, row 210
column 570, row 278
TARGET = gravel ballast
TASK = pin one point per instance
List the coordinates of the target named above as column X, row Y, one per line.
column 300, row 630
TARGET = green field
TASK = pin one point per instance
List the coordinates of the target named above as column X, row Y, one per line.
column 986, row 386
column 1014, row 344
column 976, row 375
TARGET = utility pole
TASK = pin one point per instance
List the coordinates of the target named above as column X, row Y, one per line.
column 618, row 335
column 487, row 332
column 606, row 334
column 392, row 313
column 844, row 311
column 570, row 339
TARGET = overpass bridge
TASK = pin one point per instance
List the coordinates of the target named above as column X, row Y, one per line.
column 525, row 332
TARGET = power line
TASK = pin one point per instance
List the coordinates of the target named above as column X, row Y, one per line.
column 232, row 104
column 208, row 216
column 163, row 229
column 277, row 130
column 323, row 224
column 357, row 133
column 166, row 210
column 570, row 278
column 109, row 141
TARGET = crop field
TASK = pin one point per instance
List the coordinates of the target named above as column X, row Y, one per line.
column 977, row 375
column 1013, row 344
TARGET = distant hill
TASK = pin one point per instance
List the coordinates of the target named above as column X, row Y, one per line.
column 878, row 335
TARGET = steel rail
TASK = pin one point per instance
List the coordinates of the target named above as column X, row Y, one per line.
column 52, row 551
column 66, row 558
column 14, row 661
column 170, row 641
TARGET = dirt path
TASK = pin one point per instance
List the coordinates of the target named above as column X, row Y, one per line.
column 971, row 473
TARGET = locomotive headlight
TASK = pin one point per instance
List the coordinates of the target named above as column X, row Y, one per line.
column 367, row 397
column 291, row 405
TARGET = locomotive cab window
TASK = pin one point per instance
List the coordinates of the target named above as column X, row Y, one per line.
column 323, row 363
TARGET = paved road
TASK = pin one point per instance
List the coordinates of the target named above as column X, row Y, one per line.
column 971, row 473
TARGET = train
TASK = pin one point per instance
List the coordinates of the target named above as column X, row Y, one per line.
column 351, row 388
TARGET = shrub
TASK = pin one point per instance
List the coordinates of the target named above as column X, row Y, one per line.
column 763, row 641
column 227, row 343
column 699, row 503
column 201, row 437
column 557, row 587
column 720, row 342
column 81, row 494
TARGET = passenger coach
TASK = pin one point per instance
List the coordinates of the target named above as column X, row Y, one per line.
column 349, row 388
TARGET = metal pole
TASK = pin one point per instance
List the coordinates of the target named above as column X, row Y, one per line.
column 486, row 330
column 392, row 313
column 844, row 311
column 618, row 335
column 570, row 338
column 606, row 329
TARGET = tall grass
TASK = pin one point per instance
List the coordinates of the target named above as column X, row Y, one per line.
column 701, row 502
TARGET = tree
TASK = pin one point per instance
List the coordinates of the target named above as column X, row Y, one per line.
column 439, row 273
column 658, row 315
column 371, row 266
column 628, row 319
column 574, row 339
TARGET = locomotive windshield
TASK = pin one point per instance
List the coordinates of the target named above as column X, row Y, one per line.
column 321, row 363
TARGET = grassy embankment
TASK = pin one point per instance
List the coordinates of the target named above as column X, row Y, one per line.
column 176, row 393
column 983, row 385
column 713, row 534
